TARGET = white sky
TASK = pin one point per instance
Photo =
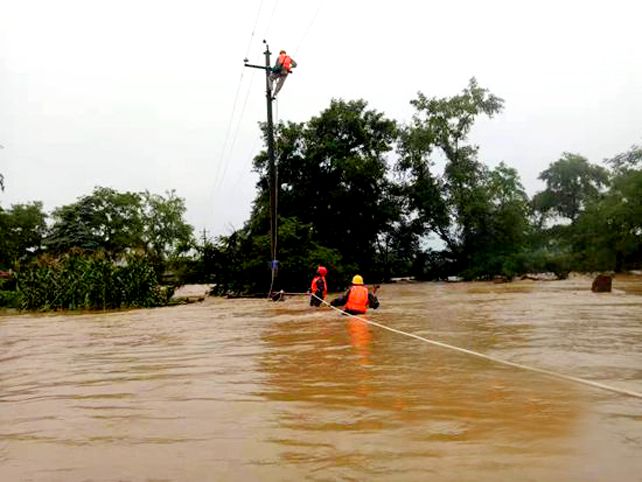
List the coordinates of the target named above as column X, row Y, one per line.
column 153, row 95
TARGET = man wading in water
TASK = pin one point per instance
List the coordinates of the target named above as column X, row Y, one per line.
column 357, row 299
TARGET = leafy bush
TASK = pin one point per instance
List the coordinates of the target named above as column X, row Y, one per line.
column 80, row 281
column 8, row 299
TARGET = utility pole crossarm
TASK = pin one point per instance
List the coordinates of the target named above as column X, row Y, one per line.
column 262, row 67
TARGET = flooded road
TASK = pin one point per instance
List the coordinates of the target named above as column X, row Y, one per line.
column 251, row 390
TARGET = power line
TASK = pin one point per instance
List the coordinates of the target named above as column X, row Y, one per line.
column 223, row 163
column 226, row 162
column 251, row 155
column 229, row 145
column 256, row 21
column 269, row 24
column 307, row 30
column 229, row 129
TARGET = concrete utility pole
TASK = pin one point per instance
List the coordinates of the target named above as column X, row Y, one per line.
column 272, row 171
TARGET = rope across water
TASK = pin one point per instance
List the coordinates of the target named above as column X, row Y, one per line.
column 440, row 344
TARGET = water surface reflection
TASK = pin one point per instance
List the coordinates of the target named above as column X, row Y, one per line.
column 252, row 390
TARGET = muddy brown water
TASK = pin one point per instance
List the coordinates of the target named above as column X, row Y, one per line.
column 252, row 390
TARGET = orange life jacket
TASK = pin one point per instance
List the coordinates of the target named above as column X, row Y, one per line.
column 286, row 62
column 313, row 286
column 357, row 299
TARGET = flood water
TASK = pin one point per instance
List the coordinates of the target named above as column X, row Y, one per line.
column 252, row 390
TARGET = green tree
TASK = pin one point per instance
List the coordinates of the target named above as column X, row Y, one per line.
column 240, row 260
column 461, row 205
column 631, row 159
column 608, row 233
column 397, row 247
column 333, row 177
column 165, row 233
column 507, row 227
column 120, row 223
column 104, row 220
column 22, row 229
column 571, row 183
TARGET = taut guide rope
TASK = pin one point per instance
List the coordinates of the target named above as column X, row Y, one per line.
column 440, row 344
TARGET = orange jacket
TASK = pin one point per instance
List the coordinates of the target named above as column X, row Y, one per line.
column 314, row 286
column 286, row 62
column 357, row 299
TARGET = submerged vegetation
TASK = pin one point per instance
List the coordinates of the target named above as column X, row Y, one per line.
column 358, row 192
column 77, row 280
column 107, row 250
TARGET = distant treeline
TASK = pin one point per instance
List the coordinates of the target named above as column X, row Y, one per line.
column 108, row 250
column 358, row 192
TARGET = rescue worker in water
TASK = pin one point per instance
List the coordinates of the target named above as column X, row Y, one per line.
column 357, row 299
column 318, row 287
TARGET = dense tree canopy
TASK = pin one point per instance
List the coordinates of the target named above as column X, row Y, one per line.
column 118, row 223
column 22, row 228
column 571, row 183
column 357, row 192
column 467, row 206
column 370, row 192
column 105, row 219
column 165, row 234
column 333, row 177
column 106, row 250
column 608, row 234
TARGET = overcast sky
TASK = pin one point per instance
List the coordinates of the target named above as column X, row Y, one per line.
column 140, row 94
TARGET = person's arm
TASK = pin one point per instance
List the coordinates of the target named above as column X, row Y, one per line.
column 341, row 300
column 373, row 301
column 293, row 63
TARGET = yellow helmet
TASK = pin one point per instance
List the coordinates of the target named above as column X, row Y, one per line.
column 357, row 280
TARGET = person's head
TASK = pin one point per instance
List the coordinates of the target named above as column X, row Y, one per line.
column 322, row 271
column 282, row 52
column 357, row 279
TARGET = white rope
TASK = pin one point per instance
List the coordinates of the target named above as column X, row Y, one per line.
column 488, row 357
column 271, row 284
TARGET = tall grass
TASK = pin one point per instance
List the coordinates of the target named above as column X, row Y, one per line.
column 80, row 281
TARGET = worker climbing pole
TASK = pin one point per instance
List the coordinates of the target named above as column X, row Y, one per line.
column 273, row 75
